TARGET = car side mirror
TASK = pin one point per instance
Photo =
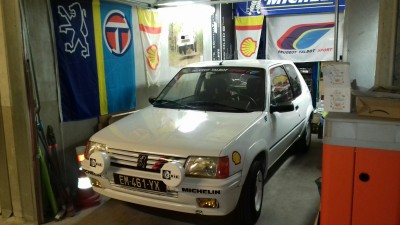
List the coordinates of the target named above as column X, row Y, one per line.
column 152, row 99
column 285, row 107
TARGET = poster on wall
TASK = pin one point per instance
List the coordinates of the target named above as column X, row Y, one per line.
column 95, row 57
column 216, row 34
column 185, row 44
column 223, row 33
column 228, row 32
column 300, row 39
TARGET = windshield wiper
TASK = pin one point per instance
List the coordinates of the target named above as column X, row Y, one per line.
column 170, row 103
column 213, row 104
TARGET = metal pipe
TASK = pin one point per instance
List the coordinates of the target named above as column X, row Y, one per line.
column 221, row 53
column 33, row 107
column 336, row 43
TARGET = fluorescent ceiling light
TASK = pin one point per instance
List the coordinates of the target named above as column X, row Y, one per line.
column 176, row 3
column 176, row 14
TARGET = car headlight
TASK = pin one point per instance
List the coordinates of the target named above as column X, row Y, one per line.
column 207, row 167
column 92, row 147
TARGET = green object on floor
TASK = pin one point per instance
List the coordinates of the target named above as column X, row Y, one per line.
column 47, row 183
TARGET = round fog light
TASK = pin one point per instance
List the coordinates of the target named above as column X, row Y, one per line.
column 95, row 182
column 207, row 202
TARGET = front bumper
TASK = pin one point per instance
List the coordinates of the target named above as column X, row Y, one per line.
column 182, row 198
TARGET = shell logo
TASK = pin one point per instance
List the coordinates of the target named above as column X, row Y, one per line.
column 248, row 47
column 280, row 80
column 236, row 158
column 152, row 57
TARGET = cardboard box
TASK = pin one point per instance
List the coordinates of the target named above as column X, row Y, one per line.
column 379, row 102
column 336, row 86
column 336, row 74
column 337, row 99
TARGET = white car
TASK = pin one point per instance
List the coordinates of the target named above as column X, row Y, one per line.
column 205, row 144
column 186, row 40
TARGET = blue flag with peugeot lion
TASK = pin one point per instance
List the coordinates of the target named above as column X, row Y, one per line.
column 95, row 53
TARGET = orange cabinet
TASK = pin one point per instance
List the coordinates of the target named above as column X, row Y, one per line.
column 360, row 171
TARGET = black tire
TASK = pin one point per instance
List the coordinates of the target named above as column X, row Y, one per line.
column 303, row 144
column 251, row 198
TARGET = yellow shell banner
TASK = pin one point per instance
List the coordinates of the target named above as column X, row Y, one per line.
column 150, row 31
column 248, row 33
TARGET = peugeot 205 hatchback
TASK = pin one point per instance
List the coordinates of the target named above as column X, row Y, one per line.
column 205, row 144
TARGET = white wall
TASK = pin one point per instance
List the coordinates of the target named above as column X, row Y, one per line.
column 361, row 37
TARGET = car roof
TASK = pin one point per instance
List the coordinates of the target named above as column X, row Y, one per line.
column 242, row 62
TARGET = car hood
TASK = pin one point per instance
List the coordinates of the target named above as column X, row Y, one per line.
column 175, row 132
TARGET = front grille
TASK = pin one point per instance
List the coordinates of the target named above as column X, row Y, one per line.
column 140, row 161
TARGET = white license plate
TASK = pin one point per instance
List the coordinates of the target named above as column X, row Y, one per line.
column 138, row 182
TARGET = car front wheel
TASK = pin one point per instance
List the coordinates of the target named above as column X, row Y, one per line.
column 251, row 198
column 303, row 144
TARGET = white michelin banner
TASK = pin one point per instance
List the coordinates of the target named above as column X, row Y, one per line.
column 307, row 41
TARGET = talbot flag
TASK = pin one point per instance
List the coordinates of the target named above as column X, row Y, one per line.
column 248, row 33
column 95, row 54
column 150, row 30
column 115, row 34
column 305, row 41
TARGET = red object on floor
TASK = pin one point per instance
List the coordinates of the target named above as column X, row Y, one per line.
column 86, row 196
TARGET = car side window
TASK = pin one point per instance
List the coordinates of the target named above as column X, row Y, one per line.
column 293, row 79
column 281, row 91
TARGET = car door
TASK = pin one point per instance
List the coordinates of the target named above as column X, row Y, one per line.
column 300, row 92
column 283, row 124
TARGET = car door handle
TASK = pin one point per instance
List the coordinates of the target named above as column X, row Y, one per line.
column 297, row 107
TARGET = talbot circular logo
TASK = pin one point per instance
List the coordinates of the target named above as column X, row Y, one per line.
column 117, row 32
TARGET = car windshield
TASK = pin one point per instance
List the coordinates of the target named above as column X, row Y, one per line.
column 221, row 89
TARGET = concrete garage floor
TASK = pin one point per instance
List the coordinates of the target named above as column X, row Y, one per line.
column 290, row 197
